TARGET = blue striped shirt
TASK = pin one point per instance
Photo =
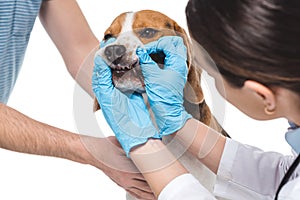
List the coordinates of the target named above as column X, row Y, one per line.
column 16, row 21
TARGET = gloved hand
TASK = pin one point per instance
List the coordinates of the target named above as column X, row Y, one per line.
column 103, row 43
column 164, row 87
column 126, row 114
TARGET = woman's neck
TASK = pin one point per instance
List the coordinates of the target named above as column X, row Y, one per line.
column 288, row 103
column 293, row 111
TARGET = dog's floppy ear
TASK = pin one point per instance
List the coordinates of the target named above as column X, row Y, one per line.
column 192, row 91
column 96, row 105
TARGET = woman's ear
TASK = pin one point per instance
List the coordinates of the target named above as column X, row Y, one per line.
column 267, row 95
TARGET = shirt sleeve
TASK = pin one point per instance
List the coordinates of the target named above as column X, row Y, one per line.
column 246, row 172
column 185, row 187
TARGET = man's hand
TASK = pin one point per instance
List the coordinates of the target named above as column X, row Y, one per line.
column 23, row 134
column 106, row 154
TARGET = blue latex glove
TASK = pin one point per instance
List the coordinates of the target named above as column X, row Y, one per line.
column 103, row 43
column 164, row 87
column 126, row 114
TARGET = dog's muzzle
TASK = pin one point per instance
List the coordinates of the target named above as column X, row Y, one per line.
column 126, row 73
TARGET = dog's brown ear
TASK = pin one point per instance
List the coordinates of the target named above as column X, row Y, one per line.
column 192, row 91
column 96, row 105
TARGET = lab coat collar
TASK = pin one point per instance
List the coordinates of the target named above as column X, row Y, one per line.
column 293, row 137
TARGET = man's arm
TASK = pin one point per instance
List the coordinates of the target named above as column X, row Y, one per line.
column 23, row 134
column 70, row 32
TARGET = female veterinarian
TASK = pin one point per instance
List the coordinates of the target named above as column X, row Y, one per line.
column 255, row 45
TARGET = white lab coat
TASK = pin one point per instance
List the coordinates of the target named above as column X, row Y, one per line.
column 245, row 173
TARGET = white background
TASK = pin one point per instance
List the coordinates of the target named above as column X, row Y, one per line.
column 44, row 91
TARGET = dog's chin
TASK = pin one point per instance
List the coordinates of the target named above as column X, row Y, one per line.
column 130, row 89
column 129, row 80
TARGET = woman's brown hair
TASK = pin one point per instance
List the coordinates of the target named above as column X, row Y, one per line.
column 250, row 39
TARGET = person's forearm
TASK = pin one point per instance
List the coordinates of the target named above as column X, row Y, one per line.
column 157, row 164
column 160, row 167
column 70, row 32
column 204, row 143
column 23, row 134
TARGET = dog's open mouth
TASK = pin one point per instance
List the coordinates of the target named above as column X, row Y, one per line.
column 127, row 76
column 119, row 70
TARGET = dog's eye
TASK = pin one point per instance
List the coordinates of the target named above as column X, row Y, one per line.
column 147, row 33
column 107, row 36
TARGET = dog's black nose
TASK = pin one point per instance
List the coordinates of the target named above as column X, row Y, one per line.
column 113, row 52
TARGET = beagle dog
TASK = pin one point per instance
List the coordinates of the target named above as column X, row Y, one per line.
column 134, row 29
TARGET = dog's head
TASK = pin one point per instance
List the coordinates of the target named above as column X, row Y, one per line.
column 132, row 30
